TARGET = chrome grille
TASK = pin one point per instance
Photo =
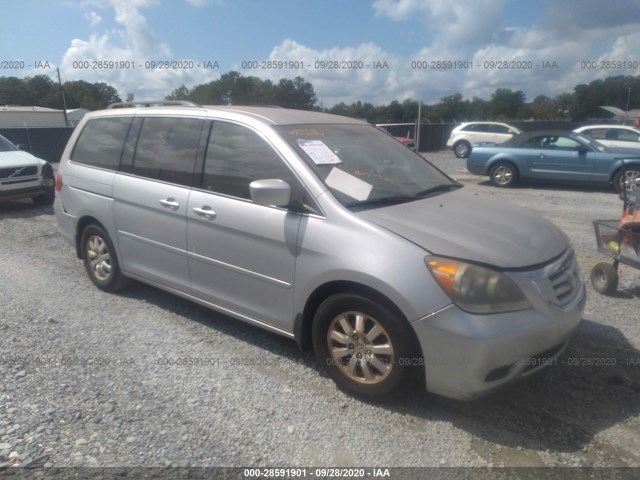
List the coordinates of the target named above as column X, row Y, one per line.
column 561, row 280
column 17, row 172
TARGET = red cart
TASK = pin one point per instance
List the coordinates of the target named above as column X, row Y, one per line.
column 620, row 240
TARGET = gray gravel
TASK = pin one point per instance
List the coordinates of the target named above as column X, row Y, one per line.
column 127, row 407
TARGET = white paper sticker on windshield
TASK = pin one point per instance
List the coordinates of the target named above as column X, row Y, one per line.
column 348, row 184
column 319, row 152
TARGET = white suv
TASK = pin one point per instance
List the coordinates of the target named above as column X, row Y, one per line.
column 24, row 176
column 465, row 135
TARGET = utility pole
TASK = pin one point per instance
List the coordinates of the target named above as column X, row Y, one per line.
column 417, row 135
column 628, row 97
column 64, row 102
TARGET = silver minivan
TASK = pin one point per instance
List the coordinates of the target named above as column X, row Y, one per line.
column 326, row 230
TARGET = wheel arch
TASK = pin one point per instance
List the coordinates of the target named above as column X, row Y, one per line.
column 80, row 226
column 617, row 168
column 304, row 320
column 501, row 159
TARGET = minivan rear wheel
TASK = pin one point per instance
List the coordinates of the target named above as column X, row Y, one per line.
column 365, row 348
column 100, row 260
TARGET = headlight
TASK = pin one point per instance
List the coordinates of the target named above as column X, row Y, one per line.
column 477, row 289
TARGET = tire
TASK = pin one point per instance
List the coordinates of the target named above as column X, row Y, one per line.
column 462, row 149
column 630, row 175
column 49, row 194
column 604, row 278
column 363, row 347
column 100, row 260
column 504, row 175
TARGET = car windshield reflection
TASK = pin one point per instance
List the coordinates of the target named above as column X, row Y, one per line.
column 362, row 166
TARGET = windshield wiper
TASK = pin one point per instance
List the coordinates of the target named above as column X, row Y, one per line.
column 390, row 200
column 438, row 188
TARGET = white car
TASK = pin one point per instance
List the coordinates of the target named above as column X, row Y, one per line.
column 24, row 176
column 465, row 135
column 613, row 136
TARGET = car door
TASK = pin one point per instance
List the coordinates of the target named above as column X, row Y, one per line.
column 151, row 197
column 559, row 157
column 242, row 255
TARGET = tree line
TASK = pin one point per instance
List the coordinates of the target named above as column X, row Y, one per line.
column 233, row 88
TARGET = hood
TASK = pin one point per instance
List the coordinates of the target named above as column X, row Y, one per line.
column 467, row 226
column 18, row 158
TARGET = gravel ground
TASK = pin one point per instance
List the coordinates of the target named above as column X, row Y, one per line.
column 127, row 407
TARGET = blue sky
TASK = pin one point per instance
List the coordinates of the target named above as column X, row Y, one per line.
column 484, row 35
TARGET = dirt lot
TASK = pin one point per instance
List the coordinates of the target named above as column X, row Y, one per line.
column 128, row 407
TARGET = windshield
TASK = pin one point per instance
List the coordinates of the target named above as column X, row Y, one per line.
column 6, row 145
column 362, row 165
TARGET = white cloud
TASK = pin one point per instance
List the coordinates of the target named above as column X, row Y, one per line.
column 342, row 74
column 93, row 18
column 475, row 31
column 455, row 23
column 133, row 42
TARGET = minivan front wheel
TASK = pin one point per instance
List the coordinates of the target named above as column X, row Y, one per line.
column 364, row 347
column 100, row 260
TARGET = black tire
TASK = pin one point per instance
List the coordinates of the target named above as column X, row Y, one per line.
column 630, row 174
column 504, row 175
column 49, row 195
column 462, row 149
column 379, row 358
column 100, row 260
column 604, row 278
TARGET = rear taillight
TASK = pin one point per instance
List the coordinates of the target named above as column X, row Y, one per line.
column 58, row 183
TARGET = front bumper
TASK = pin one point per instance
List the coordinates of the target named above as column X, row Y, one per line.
column 23, row 189
column 468, row 355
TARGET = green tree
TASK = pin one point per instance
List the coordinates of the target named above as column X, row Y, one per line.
column 92, row 96
column 180, row 93
column 294, row 94
column 506, row 104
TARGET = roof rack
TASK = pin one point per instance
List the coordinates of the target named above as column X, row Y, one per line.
column 154, row 103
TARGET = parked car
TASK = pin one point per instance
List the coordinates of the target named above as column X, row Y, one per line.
column 557, row 156
column 325, row 230
column 613, row 136
column 24, row 176
column 408, row 142
column 465, row 135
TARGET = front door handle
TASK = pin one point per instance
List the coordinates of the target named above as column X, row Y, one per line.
column 206, row 212
column 170, row 203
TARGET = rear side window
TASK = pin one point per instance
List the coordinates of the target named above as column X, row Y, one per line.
column 167, row 149
column 101, row 141
column 498, row 129
column 626, row 135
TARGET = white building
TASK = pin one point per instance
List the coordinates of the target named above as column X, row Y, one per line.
column 20, row 117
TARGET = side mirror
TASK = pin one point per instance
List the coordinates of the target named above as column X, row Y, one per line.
column 582, row 149
column 270, row 192
column 23, row 147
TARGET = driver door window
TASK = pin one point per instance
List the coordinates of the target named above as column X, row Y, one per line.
column 236, row 156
